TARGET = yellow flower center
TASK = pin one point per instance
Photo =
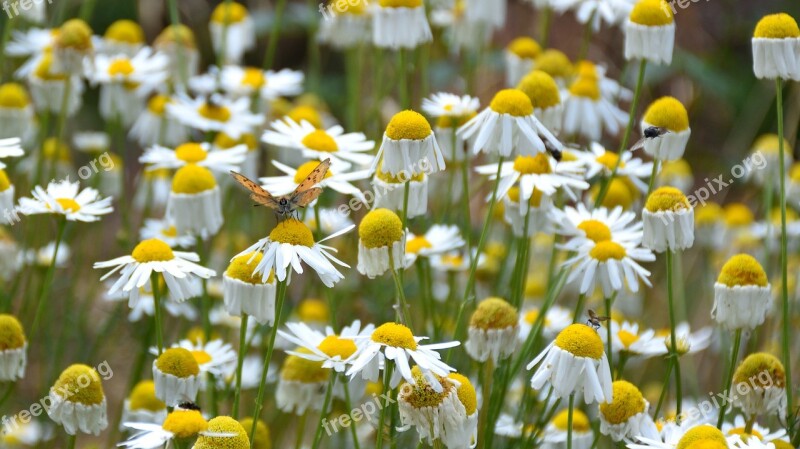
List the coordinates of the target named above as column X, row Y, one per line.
column 240, row 269
column 422, row 394
column 193, row 179
column 586, row 87
column 43, row 68
column 761, row 368
column 380, row 228
column 770, row 144
column 536, row 197
column 417, row 244
column 13, row 95
column 619, row 194
column 191, row 153
column 306, row 113
column 777, row 26
column 215, row 112
column 743, row 269
column 513, row 102
column 298, row 369
column 626, row 402
column 158, row 104
column 742, row 432
column 12, row 336
column 667, row 199
column 313, row 310
column 179, row 362
column 83, row 384
column 533, row 165
column 609, row 160
column 668, row 112
column 152, row 250
column 400, row 178
column 678, row 167
column 395, row 335
column 541, row 89
column 143, row 397
column 253, row 77
column 652, row 13
column 494, row 313
column 201, row 357
column 555, row 63
column 408, row 125
column 68, row 204
column 75, row 34
column 607, row 249
column 699, row 433
column 333, row 346
column 627, row 338
column 184, row 423
column 228, row 13
column 224, row 424
column 707, row 444
column 5, row 183
column 125, row 31
column 737, row 214
column 453, row 260
column 176, row 34
column 708, row 214
column 580, row 340
column 319, row 140
column 261, row 439
column 400, row 3
column 293, row 232
column 121, row 66
column 466, row 392
column 595, row 230
column 580, row 422
column 225, row 142
column 525, row 48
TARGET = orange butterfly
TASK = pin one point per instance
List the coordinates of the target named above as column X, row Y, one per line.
column 285, row 205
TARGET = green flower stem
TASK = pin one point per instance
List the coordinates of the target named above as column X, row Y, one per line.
column 737, row 341
column 158, row 312
column 569, row 420
column 402, row 307
column 239, row 363
column 673, row 340
column 488, row 375
column 323, row 413
column 387, row 379
column 48, row 277
column 653, row 176
column 274, row 35
column 71, row 441
column 175, row 19
column 664, row 388
column 348, row 405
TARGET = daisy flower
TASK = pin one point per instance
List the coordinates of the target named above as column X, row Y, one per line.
column 165, row 231
column 335, row 351
column 688, row 342
column 396, row 343
column 612, row 12
column 502, row 126
column 28, row 434
column 17, row 117
column 48, row 86
column 443, row 104
column 10, row 215
column 64, row 198
column 389, row 191
column 668, row 221
column 290, row 243
column 545, row 96
column 580, row 225
column 613, row 265
column 302, row 384
column 381, row 243
column 13, row 349
column 346, row 25
column 155, row 126
column 77, row 401
column 636, row 340
column 143, row 406
column 339, row 181
column 409, row 146
column 650, row 32
column 245, row 292
column 10, row 148
column 44, row 256
column 555, row 433
column 177, row 376
column 764, row 434
column 574, row 362
column 493, row 331
column 674, row 436
column 451, row 112
column 179, row 44
column 343, row 149
column 400, row 24
column 202, row 154
column 438, row 239
column 146, row 306
column 195, row 202
column 251, row 164
column 625, row 416
column 539, row 172
column 519, row 56
column 232, row 31
column 459, row 33
column 121, row 37
column 677, row 173
column 215, row 113
column 215, row 357
column 776, row 41
column 223, row 431
column 155, row 256
column 238, row 81
column 668, row 113
column 93, row 143
column 72, row 47
column 742, row 294
column 587, row 112
column 555, row 320
column 180, row 424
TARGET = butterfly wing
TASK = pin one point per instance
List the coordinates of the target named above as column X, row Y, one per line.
column 257, row 194
column 313, row 178
column 305, row 198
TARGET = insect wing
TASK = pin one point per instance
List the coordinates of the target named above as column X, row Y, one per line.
column 305, row 198
column 639, row 144
column 313, row 178
column 257, row 194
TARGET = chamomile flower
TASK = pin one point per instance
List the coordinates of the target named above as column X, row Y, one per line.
column 238, row 81
column 438, row 239
column 155, row 126
column 215, row 357
column 347, row 25
column 335, row 351
column 668, row 113
column 776, row 43
column 519, row 56
column 508, row 126
column 613, row 12
column 77, row 401
column 742, row 294
column 195, row 203
column 177, row 376
column 155, row 256
column 443, row 104
column 650, row 32
column 93, row 143
column 625, row 416
column 555, row 433
column 27, row 434
column 49, row 86
column 587, row 111
column 165, row 231
column 682, row 436
column 72, row 47
column 179, row 44
column 459, row 33
column 493, row 331
column 677, row 173
column 301, row 384
column 580, row 225
column 390, row 191
column 556, row 64
column 201, row 154
column 180, row 424
column 246, row 292
column 232, row 31
column 121, row 37
column 13, row 349
column 65, row 198
column 538, row 172
column 400, row 24
column 515, row 213
column 126, row 81
column 409, row 146
column 545, row 96
column 291, row 243
column 635, row 340
column 574, row 363
column 342, row 148
column 395, row 343
column 215, row 113
column 668, row 221
column 613, row 265
column 142, row 405
column 223, row 431
column 758, row 433
column 46, row 255
column 555, row 320
column 17, row 117
column 688, row 342
column 338, row 181
column 381, row 243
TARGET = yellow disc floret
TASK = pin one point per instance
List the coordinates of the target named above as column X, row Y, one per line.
column 380, row 228
column 666, row 199
column 777, row 26
column 652, row 13
column 143, row 397
column 708, row 444
column 158, row 104
column 580, row 422
column 13, row 95
column 738, row 214
column 261, row 438
column 417, row 244
column 5, row 183
column 513, row 102
column 408, row 125
column 313, row 310
column 306, row 113
column 400, row 3
column 319, row 140
column 82, row 383
column 223, row 424
column 125, row 31
column 619, row 194
column 770, row 144
column 214, row 112
column 707, row 214
column 667, row 112
column 541, row 89
column 595, row 230
column 152, row 250
column 12, row 336
column 192, row 179
column 466, row 393
column 533, row 165
column 580, row 340
column 607, row 249
column 700, row 433
column 178, row 362
column 395, row 335
column 626, row 402
column 228, row 13
column 243, row 268
column 555, row 63
column 524, row 47
column 299, row 369
column 494, row 313
column 586, row 87
column 74, row 34
column 176, row 34
column 761, row 369
column 743, row 270
column 191, row 153
column 334, row 346
column 293, row 232
column 422, row 394
column 185, row 423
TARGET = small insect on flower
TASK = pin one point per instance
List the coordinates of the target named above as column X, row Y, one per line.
column 649, row 133
column 595, row 320
column 285, row 206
